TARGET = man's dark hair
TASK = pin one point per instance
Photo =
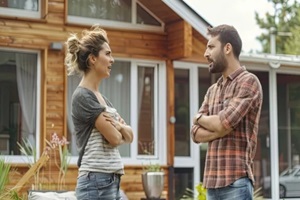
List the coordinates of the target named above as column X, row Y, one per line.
column 227, row 34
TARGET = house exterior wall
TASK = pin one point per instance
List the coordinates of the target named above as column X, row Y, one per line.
column 38, row 34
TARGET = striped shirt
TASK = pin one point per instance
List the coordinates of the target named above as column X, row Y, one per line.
column 95, row 153
column 237, row 101
column 99, row 155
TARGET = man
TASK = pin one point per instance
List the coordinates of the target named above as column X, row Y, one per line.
column 228, row 119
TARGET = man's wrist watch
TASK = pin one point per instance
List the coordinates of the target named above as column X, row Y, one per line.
column 198, row 116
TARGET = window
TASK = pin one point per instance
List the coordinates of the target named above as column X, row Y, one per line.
column 262, row 162
column 146, row 122
column 132, row 89
column 186, row 166
column 143, row 17
column 119, row 82
column 113, row 13
column 182, row 112
column 19, row 100
column 288, row 102
column 21, row 8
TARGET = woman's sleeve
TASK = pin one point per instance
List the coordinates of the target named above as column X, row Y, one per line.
column 86, row 109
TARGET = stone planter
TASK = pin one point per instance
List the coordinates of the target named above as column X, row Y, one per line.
column 153, row 184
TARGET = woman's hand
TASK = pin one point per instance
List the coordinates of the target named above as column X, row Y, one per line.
column 121, row 120
column 117, row 124
column 120, row 126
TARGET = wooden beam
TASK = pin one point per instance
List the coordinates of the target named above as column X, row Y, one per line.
column 44, row 67
column 44, row 9
column 171, row 113
column 179, row 40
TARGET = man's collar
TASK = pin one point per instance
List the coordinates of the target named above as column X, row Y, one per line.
column 233, row 75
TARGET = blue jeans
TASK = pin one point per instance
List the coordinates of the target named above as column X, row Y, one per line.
column 241, row 189
column 97, row 185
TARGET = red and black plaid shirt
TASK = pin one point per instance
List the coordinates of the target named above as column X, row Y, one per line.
column 237, row 101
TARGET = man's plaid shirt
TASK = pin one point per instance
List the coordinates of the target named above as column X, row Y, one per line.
column 237, row 101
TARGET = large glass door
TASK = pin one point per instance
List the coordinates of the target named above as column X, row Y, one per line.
column 288, row 102
column 186, row 164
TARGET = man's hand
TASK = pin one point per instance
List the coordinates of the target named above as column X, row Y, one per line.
column 196, row 118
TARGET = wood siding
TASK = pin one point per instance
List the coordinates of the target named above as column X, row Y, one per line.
column 178, row 42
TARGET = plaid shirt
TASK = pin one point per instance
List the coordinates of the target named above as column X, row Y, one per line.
column 237, row 101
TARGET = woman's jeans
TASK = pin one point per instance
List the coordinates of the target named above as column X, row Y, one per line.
column 241, row 189
column 97, row 185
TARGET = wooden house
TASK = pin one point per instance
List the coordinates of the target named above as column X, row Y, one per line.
column 145, row 37
column 157, row 83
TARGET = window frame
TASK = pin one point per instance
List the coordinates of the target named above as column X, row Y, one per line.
column 23, row 158
column 14, row 12
column 189, row 161
column 274, row 125
column 117, row 24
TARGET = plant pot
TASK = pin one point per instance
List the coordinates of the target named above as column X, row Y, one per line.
column 153, row 184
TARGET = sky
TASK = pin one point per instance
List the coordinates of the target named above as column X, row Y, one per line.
column 238, row 13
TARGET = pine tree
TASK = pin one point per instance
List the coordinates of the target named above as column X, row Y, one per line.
column 285, row 20
column 292, row 46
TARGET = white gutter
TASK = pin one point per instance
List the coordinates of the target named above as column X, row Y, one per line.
column 273, row 60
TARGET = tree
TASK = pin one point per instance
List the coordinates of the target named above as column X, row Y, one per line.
column 285, row 19
column 292, row 46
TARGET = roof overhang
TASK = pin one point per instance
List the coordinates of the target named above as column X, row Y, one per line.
column 274, row 61
column 189, row 15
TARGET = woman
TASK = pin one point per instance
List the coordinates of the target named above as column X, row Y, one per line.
column 99, row 129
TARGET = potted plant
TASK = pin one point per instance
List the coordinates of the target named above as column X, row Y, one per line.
column 153, row 181
column 153, row 175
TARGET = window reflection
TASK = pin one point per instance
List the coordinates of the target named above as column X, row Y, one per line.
column 32, row 5
column 146, row 124
column 116, row 10
column 261, row 163
column 182, row 112
column 18, row 100
column 145, row 18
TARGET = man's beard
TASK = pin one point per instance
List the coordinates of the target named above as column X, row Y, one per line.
column 219, row 65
